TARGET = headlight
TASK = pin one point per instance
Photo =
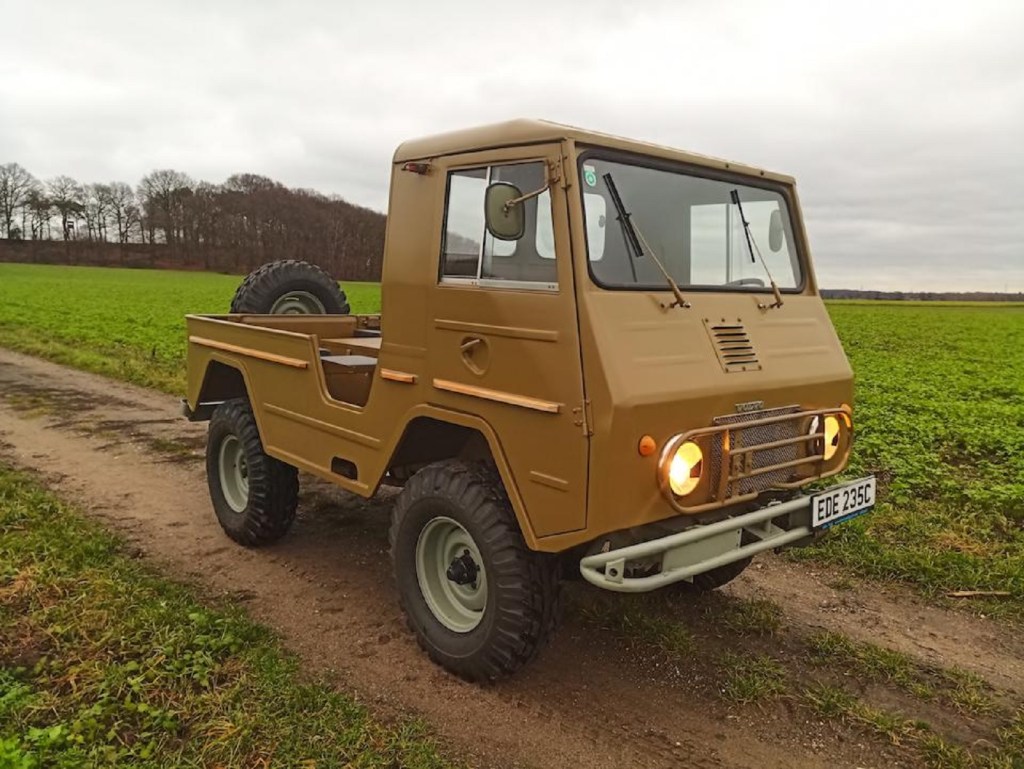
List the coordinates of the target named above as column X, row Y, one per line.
column 831, row 436
column 685, row 465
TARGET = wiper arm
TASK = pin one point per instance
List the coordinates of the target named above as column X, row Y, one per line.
column 752, row 248
column 634, row 237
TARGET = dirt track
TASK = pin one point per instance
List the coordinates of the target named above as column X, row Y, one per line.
column 124, row 455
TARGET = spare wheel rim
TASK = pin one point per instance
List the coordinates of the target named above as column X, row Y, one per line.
column 298, row 303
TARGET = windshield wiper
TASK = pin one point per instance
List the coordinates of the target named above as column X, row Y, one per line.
column 634, row 237
column 752, row 247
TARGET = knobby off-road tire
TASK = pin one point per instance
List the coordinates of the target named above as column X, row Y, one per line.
column 489, row 628
column 254, row 495
column 290, row 287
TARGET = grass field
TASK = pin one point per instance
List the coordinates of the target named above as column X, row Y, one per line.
column 127, row 324
column 103, row 663
column 939, row 413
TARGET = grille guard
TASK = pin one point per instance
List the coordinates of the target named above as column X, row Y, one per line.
column 608, row 570
column 728, row 481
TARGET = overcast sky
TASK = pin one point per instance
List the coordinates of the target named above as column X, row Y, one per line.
column 902, row 121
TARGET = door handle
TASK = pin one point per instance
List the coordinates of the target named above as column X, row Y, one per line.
column 475, row 354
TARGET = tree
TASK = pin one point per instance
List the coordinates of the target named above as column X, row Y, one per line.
column 123, row 210
column 15, row 185
column 67, row 197
column 163, row 194
column 40, row 209
column 97, row 208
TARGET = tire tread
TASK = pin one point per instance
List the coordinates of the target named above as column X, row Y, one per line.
column 273, row 485
column 256, row 292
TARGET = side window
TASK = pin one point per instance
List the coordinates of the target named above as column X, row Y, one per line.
column 464, row 224
column 471, row 254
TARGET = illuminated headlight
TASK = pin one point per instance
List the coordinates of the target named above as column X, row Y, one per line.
column 682, row 467
column 831, row 436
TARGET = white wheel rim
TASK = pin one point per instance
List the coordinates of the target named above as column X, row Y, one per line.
column 234, row 473
column 298, row 303
column 459, row 607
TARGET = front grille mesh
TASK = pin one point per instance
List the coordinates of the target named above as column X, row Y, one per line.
column 757, row 436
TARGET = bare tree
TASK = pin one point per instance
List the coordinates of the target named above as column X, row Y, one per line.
column 67, row 197
column 40, row 211
column 123, row 210
column 97, row 209
column 163, row 194
column 15, row 185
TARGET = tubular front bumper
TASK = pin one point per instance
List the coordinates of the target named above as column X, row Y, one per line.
column 702, row 548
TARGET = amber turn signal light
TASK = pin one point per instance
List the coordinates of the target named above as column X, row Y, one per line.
column 647, row 446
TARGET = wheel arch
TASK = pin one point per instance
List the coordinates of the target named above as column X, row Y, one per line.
column 431, row 434
column 223, row 379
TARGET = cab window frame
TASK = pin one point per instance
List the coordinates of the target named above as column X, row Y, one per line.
column 479, row 281
column 702, row 172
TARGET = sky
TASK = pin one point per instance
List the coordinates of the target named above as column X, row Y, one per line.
column 902, row 121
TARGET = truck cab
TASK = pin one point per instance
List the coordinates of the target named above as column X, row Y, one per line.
column 592, row 351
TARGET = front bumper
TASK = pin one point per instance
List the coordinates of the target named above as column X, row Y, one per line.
column 694, row 551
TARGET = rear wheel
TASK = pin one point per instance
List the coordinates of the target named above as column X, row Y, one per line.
column 254, row 495
column 480, row 602
column 290, row 287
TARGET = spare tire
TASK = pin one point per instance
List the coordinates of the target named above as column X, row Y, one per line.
column 290, row 287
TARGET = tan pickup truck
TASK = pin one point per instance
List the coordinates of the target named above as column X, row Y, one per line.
column 596, row 357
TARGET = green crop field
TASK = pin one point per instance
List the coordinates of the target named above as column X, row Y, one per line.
column 939, row 411
column 124, row 323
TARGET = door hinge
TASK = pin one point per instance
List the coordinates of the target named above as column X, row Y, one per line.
column 583, row 418
column 556, row 178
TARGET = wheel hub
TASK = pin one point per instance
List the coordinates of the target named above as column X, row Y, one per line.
column 463, row 570
column 298, row 303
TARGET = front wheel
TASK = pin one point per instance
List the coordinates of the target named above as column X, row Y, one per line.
column 254, row 495
column 715, row 578
column 480, row 602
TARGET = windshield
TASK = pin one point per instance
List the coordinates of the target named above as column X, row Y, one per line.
column 692, row 225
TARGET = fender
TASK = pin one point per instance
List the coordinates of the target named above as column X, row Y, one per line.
column 497, row 452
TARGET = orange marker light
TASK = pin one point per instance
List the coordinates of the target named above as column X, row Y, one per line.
column 647, row 446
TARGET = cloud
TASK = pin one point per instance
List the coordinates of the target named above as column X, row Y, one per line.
column 901, row 121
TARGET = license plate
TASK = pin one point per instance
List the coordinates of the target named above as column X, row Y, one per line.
column 842, row 503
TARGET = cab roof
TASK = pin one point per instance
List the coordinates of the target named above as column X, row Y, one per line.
column 524, row 132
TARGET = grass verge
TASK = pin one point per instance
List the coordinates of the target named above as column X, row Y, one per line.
column 102, row 662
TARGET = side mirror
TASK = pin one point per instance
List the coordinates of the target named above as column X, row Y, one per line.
column 776, row 232
column 504, row 221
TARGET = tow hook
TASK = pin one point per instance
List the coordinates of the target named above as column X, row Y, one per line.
column 463, row 570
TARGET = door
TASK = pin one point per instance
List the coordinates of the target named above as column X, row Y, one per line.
column 504, row 342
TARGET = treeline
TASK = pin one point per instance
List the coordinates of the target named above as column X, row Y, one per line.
column 923, row 296
column 234, row 226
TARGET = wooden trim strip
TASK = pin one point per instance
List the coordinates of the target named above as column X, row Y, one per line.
column 327, row 427
column 397, row 376
column 249, row 352
column 512, row 332
column 511, row 399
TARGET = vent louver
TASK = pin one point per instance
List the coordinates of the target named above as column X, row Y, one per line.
column 732, row 344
